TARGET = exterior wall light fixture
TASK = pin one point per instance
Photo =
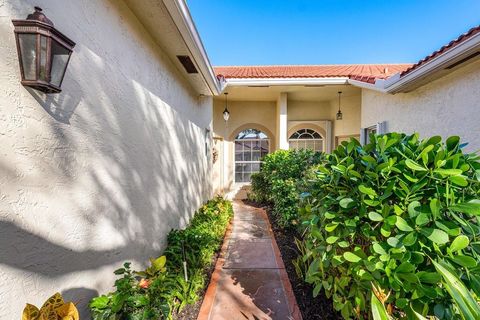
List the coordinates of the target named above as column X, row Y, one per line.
column 226, row 113
column 43, row 52
column 339, row 113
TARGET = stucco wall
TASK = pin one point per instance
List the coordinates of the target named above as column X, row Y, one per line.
column 351, row 109
column 445, row 107
column 100, row 173
column 308, row 110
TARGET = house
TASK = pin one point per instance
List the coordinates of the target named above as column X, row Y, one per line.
column 297, row 106
column 136, row 140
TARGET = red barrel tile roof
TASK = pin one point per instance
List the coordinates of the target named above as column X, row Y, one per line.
column 362, row 72
column 452, row 44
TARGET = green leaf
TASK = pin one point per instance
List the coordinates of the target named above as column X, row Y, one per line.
column 452, row 142
column 367, row 190
column 394, row 242
column 429, row 277
column 459, row 180
column 331, row 226
column 418, row 315
column 435, row 208
column 410, row 239
column 436, row 235
column 403, row 225
column 465, row 261
column 119, row 271
column 422, row 219
column 100, row 302
column 374, row 216
column 378, row 309
column 351, row 257
column 412, row 209
column 347, row 203
column 459, row 243
column 316, row 289
column 466, row 303
column 414, row 166
column 159, row 263
column 405, row 267
column 332, row 239
column 379, row 249
column 448, row 172
column 471, row 207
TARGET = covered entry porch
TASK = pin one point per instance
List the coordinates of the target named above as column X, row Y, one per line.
column 265, row 118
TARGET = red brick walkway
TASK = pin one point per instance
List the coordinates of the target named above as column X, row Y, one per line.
column 249, row 281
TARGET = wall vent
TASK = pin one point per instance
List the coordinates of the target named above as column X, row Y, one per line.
column 187, row 63
column 453, row 65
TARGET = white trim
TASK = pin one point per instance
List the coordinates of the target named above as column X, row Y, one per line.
column 238, row 82
column 180, row 14
column 366, row 85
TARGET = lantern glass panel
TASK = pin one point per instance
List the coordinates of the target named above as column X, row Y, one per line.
column 43, row 72
column 59, row 63
column 27, row 43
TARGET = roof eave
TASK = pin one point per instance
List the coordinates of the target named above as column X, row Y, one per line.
column 245, row 82
column 180, row 14
column 411, row 80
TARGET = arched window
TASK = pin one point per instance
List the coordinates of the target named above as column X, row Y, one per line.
column 306, row 139
column 251, row 145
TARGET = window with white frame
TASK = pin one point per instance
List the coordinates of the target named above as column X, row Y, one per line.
column 379, row 128
column 251, row 146
column 306, row 139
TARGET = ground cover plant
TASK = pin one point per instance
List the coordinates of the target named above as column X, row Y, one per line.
column 280, row 180
column 384, row 215
column 162, row 289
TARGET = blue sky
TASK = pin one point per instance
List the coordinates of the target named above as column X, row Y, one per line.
column 269, row 32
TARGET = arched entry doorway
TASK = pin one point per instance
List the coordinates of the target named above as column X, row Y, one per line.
column 251, row 145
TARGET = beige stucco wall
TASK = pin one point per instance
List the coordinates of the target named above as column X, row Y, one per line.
column 308, row 110
column 447, row 106
column 98, row 174
column 351, row 109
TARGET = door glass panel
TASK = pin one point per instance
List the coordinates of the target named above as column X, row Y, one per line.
column 250, row 146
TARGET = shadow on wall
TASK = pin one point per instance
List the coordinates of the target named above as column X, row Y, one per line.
column 118, row 164
column 23, row 250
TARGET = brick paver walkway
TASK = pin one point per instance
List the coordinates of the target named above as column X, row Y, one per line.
column 249, row 281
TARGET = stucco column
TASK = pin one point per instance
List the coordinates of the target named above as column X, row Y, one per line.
column 282, row 122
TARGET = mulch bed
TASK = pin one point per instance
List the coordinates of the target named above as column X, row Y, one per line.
column 311, row 308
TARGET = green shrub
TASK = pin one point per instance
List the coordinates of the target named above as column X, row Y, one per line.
column 378, row 214
column 161, row 289
column 260, row 187
column 280, row 181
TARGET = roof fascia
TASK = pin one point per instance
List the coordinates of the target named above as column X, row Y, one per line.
column 239, row 82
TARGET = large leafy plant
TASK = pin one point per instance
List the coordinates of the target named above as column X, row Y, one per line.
column 280, row 181
column 379, row 212
column 55, row 308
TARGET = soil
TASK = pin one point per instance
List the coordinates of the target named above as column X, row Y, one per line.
column 311, row 308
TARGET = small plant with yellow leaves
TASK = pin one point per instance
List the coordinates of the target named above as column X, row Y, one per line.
column 53, row 309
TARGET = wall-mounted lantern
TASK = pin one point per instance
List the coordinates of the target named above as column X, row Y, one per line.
column 43, row 52
column 226, row 113
column 339, row 113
